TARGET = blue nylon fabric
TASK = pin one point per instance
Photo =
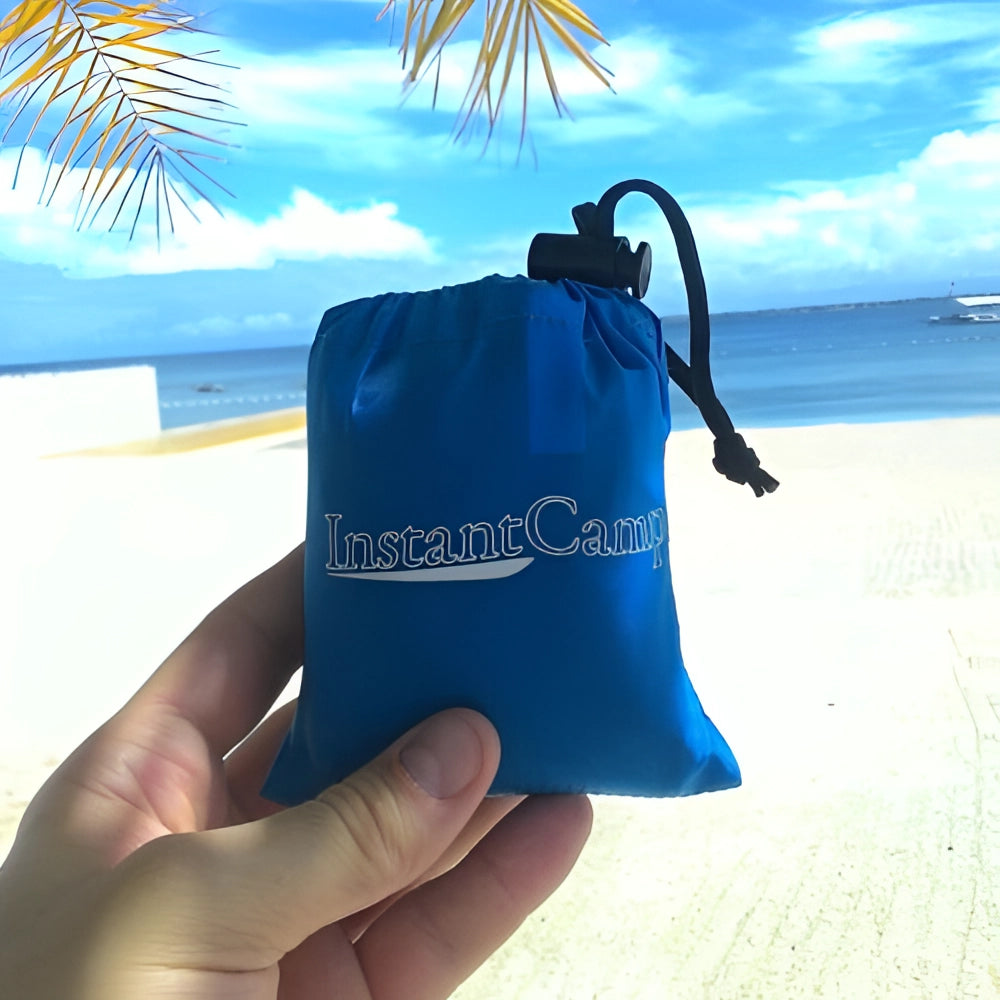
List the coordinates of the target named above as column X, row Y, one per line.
column 487, row 528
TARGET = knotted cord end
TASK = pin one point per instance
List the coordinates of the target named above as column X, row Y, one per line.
column 739, row 463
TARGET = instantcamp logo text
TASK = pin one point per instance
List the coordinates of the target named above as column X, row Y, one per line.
column 486, row 551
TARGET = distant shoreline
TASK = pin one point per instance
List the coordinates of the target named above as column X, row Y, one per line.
column 826, row 307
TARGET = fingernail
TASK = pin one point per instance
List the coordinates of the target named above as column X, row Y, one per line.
column 443, row 756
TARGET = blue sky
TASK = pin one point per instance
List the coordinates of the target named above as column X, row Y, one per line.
column 823, row 152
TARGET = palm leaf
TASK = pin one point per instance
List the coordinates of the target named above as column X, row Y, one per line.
column 112, row 95
column 102, row 82
column 509, row 27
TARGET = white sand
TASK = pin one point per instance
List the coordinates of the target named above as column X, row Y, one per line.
column 844, row 634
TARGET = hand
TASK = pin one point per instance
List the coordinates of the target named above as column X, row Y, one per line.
column 149, row 867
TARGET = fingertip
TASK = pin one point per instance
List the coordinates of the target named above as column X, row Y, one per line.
column 578, row 810
column 488, row 736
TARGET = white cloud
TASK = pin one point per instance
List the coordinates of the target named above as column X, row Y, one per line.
column 930, row 214
column 653, row 94
column 884, row 47
column 343, row 102
column 987, row 106
column 934, row 217
column 226, row 326
column 856, row 31
column 304, row 228
column 347, row 106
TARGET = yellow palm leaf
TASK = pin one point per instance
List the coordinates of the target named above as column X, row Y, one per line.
column 111, row 95
column 509, row 27
column 115, row 97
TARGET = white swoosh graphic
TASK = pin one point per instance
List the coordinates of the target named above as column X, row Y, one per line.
column 440, row 574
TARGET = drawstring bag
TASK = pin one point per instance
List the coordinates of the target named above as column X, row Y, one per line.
column 487, row 525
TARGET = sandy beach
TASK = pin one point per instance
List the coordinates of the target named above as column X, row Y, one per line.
column 843, row 633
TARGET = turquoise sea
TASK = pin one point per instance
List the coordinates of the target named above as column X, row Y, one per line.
column 862, row 363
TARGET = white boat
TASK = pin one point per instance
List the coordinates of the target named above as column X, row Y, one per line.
column 979, row 306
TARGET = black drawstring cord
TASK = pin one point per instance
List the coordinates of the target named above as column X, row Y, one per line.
column 733, row 457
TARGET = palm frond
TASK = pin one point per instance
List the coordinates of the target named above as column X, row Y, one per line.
column 118, row 104
column 509, row 29
column 113, row 95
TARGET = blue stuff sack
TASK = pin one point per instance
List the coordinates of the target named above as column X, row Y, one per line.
column 487, row 528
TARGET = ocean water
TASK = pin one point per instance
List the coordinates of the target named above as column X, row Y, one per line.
column 865, row 363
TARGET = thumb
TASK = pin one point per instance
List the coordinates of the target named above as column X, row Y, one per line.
column 268, row 885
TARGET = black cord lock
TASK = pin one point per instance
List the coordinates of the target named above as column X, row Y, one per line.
column 594, row 260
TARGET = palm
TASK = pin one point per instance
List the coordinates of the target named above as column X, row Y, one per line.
column 159, row 775
column 155, row 776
